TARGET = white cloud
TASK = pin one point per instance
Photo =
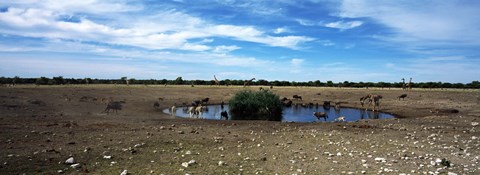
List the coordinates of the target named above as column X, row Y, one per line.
column 281, row 30
column 297, row 62
column 71, row 7
column 326, row 43
column 344, row 25
column 305, row 22
column 296, row 65
column 159, row 31
column 225, row 49
column 414, row 21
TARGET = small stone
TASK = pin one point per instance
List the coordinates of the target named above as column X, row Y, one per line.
column 70, row 161
column 191, row 162
column 124, row 172
column 221, row 163
column 185, row 164
column 107, row 157
column 379, row 159
column 76, row 166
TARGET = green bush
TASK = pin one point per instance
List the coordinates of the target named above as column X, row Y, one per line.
column 256, row 105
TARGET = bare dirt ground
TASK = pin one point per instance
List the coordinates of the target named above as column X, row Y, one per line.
column 41, row 127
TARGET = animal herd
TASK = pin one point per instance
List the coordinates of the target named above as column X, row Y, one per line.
column 197, row 107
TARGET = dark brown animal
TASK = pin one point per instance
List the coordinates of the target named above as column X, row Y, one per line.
column 320, row 115
column 114, row 106
column 224, row 114
column 156, row 105
column 402, row 96
column 297, row 97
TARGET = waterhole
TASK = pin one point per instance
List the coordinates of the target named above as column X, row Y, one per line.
column 290, row 114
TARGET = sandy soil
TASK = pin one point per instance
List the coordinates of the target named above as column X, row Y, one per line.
column 41, row 127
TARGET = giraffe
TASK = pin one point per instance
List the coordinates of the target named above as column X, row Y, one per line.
column 404, row 87
column 247, row 82
column 409, row 85
column 216, row 81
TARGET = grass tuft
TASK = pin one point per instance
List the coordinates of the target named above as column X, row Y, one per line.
column 256, row 105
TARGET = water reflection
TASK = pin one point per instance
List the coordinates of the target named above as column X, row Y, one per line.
column 295, row 113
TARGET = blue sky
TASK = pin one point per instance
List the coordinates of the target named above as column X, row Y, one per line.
column 349, row 40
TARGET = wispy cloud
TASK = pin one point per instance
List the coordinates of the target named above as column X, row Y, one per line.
column 305, row 22
column 152, row 32
column 297, row 61
column 342, row 25
column 281, row 30
column 420, row 20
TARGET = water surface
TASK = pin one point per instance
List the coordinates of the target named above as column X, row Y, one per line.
column 292, row 114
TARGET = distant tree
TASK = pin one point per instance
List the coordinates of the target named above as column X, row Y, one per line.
column 330, row 83
column 163, row 81
column 3, row 80
column 58, row 80
column 133, row 81
column 87, row 80
column 474, row 85
column 262, row 82
column 458, row 85
column 179, row 80
column 41, row 81
column 16, row 80
column 227, row 82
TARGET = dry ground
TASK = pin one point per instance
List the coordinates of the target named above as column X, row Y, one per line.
column 40, row 129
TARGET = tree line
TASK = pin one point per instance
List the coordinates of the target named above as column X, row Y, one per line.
column 60, row 80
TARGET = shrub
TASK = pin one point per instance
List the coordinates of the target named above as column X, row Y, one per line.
column 256, row 105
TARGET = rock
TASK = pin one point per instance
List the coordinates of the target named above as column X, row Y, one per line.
column 191, row 162
column 379, row 159
column 70, row 161
column 221, row 163
column 138, row 145
column 76, row 166
column 107, row 157
column 124, row 172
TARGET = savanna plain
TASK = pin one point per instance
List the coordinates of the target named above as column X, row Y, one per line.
column 64, row 130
